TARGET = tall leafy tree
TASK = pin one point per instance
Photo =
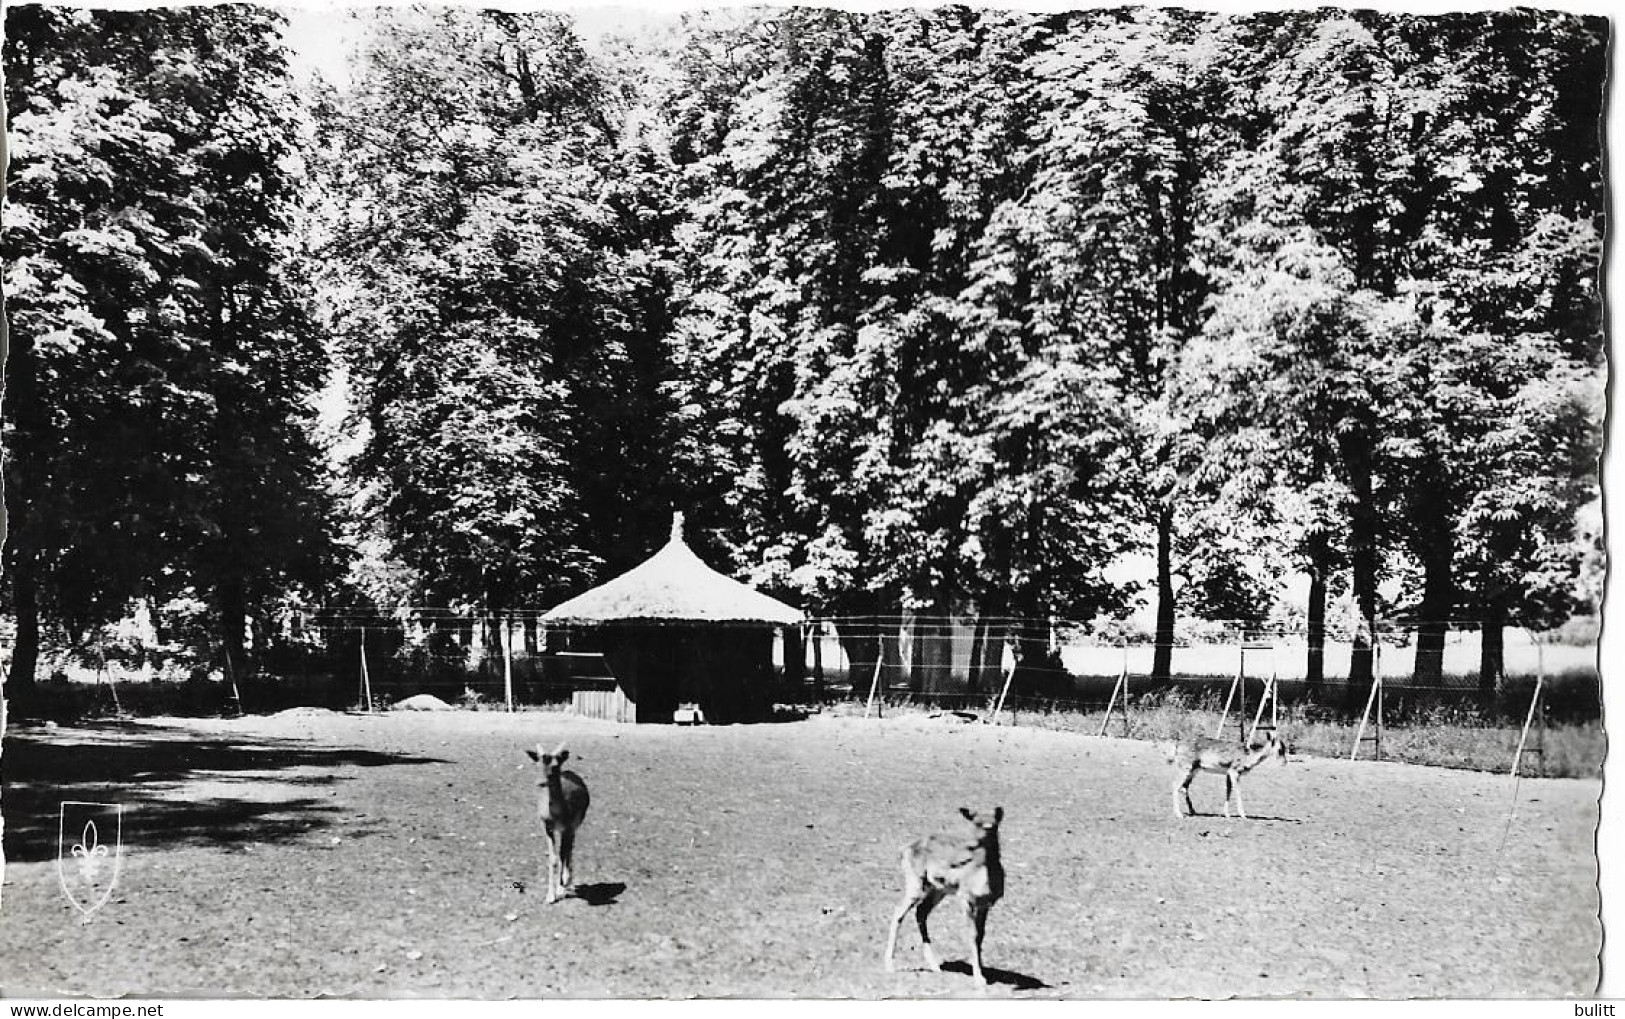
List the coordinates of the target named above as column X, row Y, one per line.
column 500, row 290
column 1379, row 135
column 1133, row 128
column 145, row 254
column 1523, row 280
column 267, row 521
column 912, row 430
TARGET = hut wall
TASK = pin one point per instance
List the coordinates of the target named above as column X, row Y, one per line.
column 606, row 701
column 933, row 655
column 727, row 671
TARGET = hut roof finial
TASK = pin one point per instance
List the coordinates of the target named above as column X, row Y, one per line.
column 677, row 525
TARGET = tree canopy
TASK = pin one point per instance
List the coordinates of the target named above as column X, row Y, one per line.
column 949, row 310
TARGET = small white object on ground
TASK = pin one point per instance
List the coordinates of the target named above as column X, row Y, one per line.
column 421, row 702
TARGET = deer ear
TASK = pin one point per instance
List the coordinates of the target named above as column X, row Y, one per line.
column 533, row 755
column 998, row 814
column 967, row 813
column 562, row 754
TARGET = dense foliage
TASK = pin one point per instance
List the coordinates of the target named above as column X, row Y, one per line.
column 163, row 350
column 941, row 311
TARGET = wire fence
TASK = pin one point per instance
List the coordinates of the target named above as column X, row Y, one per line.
column 962, row 662
column 343, row 656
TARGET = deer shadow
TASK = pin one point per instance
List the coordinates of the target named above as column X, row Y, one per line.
column 1219, row 816
column 1019, row 981
column 603, row 893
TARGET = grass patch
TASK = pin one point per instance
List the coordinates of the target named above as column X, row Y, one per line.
column 1445, row 736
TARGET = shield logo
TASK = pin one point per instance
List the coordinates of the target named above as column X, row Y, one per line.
column 89, row 853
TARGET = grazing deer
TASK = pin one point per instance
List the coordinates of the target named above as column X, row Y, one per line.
column 1232, row 759
column 563, row 806
column 967, row 866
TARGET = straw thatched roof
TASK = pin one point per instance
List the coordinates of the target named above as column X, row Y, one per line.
column 673, row 586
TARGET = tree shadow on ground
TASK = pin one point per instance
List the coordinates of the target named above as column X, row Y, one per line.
column 146, row 766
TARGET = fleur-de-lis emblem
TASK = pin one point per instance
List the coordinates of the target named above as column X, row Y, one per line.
column 89, row 868
column 89, row 851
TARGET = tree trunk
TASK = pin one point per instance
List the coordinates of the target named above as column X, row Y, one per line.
column 987, row 660
column 818, row 663
column 25, row 650
column 494, row 642
column 1038, row 669
column 442, row 641
column 934, row 650
column 1362, row 559
column 1314, row 675
column 862, row 652
column 978, row 644
column 911, row 642
column 1491, row 654
column 1162, row 659
column 260, row 641
column 158, row 628
column 233, row 619
column 795, row 659
column 1438, row 601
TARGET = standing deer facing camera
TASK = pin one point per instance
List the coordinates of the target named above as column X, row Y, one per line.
column 1229, row 759
column 966, row 866
column 563, row 806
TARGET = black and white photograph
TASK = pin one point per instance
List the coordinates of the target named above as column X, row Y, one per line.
column 805, row 502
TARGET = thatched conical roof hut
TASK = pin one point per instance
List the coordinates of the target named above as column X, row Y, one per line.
column 674, row 635
column 673, row 587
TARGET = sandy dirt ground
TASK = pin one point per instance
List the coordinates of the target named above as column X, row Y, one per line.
column 398, row 855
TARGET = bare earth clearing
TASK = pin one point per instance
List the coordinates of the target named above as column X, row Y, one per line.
column 312, row 853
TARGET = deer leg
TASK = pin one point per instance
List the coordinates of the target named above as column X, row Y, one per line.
column 909, row 902
column 912, row 894
column 977, row 911
column 1240, row 807
column 552, row 866
column 1184, row 786
column 921, row 912
column 567, row 848
column 1229, row 791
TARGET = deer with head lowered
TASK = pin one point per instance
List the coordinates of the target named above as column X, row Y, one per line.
column 1232, row 760
column 965, row 866
column 562, row 806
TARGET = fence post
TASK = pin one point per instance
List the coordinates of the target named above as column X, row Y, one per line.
column 1373, row 698
column 1376, row 667
column 366, row 681
column 231, row 674
column 1229, row 698
column 1008, row 677
column 874, row 684
column 507, row 659
column 1241, row 691
column 101, row 667
column 1534, row 702
column 1121, row 686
